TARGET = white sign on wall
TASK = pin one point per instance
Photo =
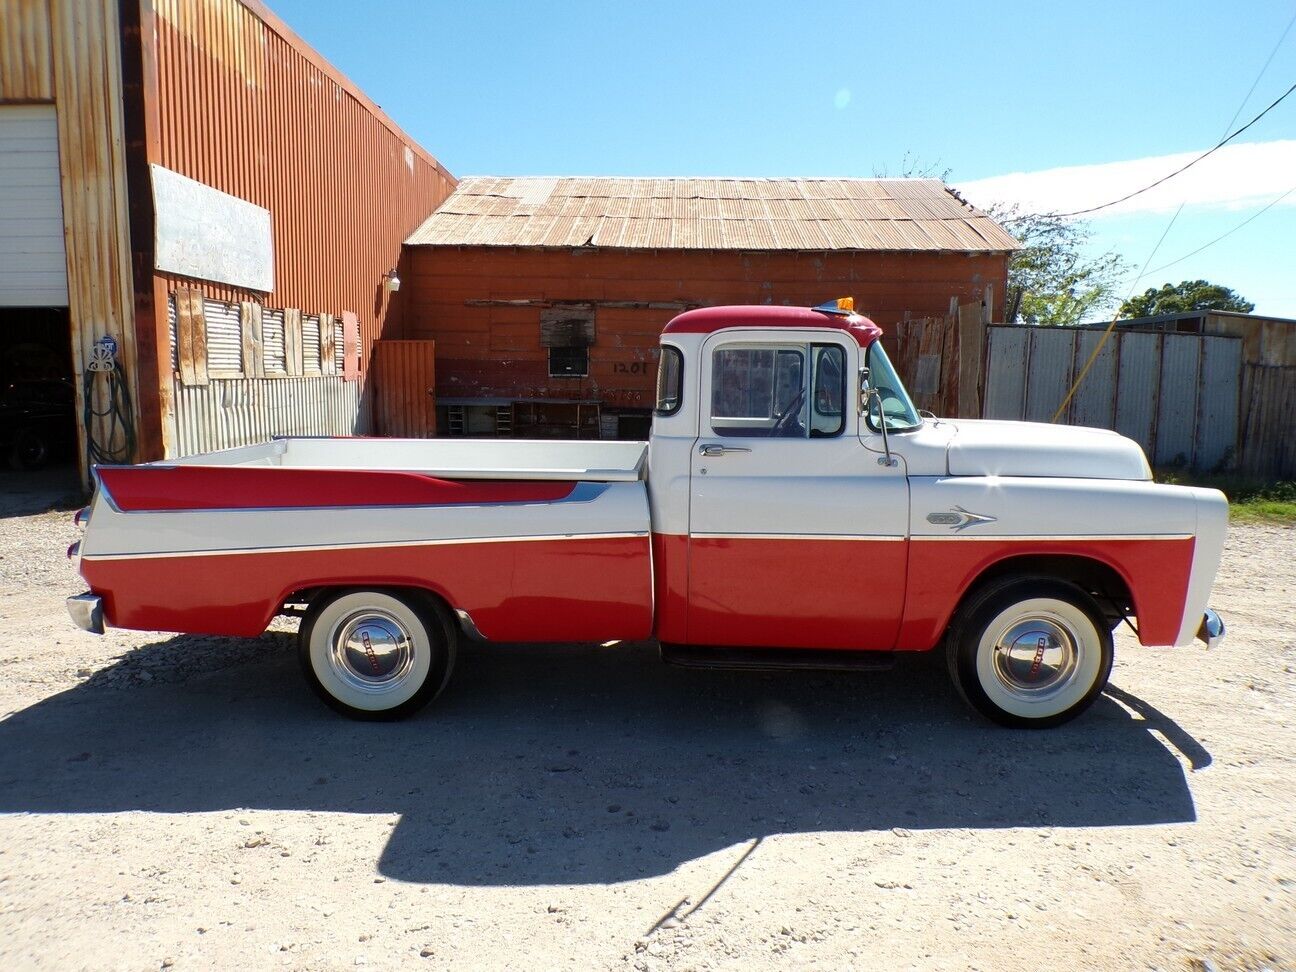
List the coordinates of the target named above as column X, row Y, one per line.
column 205, row 233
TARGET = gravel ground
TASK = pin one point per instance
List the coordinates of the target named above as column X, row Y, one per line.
column 186, row 803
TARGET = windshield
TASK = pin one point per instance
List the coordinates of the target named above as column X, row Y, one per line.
column 901, row 416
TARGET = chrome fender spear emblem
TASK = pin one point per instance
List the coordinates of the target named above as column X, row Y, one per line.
column 959, row 519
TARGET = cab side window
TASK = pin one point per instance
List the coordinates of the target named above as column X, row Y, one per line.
column 759, row 392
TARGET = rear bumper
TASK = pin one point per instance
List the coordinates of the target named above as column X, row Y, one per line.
column 1212, row 629
column 87, row 612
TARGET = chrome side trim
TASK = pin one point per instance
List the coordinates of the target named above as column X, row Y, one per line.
column 235, row 551
column 86, row 611
column 1212, row 629
column 983, row 537
column 793, row 536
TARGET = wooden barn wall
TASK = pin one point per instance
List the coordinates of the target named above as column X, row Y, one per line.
column 229, row 96
column 487, row 347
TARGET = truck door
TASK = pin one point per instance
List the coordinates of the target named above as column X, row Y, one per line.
column 797, row 535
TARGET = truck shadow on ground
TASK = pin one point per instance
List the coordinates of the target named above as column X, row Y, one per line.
column 562, row 765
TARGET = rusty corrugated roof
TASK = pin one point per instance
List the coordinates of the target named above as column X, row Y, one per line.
column 711, row 214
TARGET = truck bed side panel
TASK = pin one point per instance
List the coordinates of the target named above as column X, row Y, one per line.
column 528, row 561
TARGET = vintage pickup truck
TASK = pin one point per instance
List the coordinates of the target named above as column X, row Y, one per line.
column 791, row 509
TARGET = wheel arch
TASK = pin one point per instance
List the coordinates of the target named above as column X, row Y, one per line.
column 1106, row 582
column 311, row 594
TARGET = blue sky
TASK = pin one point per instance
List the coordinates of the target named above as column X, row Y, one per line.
column 847, row 89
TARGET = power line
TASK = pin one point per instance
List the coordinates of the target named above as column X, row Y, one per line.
column 1216, row 147
column 1173, row 219
column 1263, row 69
column 1255, row 215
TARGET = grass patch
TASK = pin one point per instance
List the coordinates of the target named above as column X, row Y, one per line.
column 1250, row 500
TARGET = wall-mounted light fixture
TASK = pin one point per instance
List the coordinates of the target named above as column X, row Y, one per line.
column 391, row 281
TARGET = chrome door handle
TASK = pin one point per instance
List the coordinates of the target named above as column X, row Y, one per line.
column 718, row 450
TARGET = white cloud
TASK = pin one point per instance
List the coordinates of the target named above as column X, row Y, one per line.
column 1237, row 176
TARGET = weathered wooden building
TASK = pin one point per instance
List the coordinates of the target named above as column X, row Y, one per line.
column 193, row 181
column 545, row 297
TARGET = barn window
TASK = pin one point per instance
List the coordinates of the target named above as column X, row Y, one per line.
column 568, row 362
column 567, row 331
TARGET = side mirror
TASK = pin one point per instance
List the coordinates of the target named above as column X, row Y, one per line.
column 864, row 390
column 868, row 395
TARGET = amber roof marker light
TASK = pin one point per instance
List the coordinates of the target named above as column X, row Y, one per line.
column 843, row 306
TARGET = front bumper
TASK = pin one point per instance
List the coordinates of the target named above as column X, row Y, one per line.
column 87, row 612
column 1212, row 629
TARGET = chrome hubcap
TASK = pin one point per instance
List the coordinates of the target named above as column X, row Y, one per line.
column 371, row 651
column 1036, row 657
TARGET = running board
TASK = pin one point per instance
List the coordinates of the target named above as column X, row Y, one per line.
column 772, row 659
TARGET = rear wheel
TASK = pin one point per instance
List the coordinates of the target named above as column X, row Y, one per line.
column 374, row 654
column 1030, row 653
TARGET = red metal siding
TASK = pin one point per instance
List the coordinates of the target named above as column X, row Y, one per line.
column 492, row 349
column 241, row 104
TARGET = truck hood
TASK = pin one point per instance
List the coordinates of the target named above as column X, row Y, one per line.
column 989, row 448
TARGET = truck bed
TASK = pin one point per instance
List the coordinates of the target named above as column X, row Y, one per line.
column 533, row 540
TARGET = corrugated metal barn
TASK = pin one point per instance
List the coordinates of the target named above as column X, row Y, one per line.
column 546, row 296
column 190, row 179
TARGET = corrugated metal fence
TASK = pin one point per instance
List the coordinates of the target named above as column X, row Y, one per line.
column 225, row 413
column 1177, row 395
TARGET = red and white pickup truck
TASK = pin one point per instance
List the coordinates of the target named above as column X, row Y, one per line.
column 791, row 508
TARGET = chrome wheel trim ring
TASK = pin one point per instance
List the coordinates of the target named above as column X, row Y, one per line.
column 371, row 651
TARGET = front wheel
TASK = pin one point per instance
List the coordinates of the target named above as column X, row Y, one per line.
column 1030, row 653
column 373, row 654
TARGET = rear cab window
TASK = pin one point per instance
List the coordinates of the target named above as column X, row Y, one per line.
column 670, row 380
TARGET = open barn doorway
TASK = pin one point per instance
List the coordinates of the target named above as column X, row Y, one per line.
column 38, row 422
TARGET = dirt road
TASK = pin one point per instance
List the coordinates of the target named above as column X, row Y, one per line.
column 187, row 803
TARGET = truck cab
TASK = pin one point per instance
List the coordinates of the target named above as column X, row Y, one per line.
column 779, row 515
column 799, row 498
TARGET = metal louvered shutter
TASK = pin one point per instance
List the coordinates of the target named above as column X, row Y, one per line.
column 171, row 326
column 224, row 338
column 272, row 338
column 310, row 345
column 339, row 353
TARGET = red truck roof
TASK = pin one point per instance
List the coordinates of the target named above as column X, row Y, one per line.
column 704, row 320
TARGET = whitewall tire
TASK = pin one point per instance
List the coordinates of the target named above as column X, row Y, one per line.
column 375, row 654
column 1030, row 653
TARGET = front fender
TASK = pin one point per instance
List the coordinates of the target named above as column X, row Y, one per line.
column 963, row 526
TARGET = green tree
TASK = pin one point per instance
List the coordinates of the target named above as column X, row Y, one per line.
column 1054, row 279
column 1189, row 295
